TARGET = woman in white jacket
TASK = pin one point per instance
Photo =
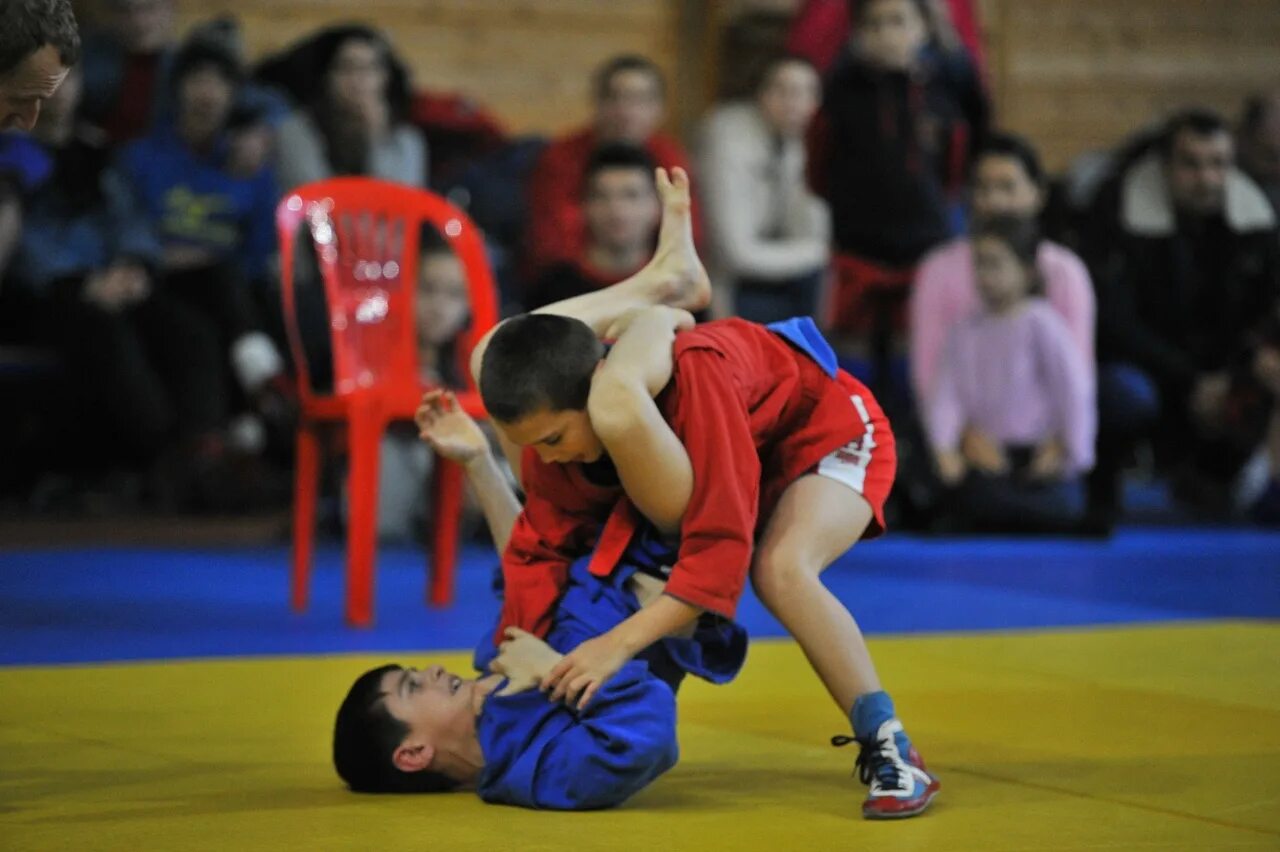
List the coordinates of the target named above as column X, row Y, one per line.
column 770, row 234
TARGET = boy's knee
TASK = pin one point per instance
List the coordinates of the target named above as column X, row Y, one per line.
column 779, row 570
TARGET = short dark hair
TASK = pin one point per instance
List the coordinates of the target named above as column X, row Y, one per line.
column 1197, row 120
column 31, row 24
column 432, row 242
column 366, row 735
column 1015, row 147
column 769, row 66
column 1257, row 109
column 538, row 361
column 200, row 53
column 617, row 155
column 627, row 62
column 858, row 7
column 1021, row 234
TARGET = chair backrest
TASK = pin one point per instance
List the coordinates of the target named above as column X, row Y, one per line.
column 366, row 236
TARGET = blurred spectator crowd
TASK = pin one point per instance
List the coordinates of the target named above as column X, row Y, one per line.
column 1037, row 340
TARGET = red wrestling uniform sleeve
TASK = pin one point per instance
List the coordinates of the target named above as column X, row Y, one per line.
column 718, row 532
column 554, row 528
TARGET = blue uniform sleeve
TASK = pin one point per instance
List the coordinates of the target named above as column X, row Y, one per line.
column 260, row 227
column 131, row 234
column 543, row 755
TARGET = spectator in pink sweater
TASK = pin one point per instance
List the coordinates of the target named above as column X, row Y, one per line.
column 1007, row 180
column 1012, row 414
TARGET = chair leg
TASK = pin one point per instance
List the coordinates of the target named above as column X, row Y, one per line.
column 364, row 434
column 306, row 481
column 446, row 512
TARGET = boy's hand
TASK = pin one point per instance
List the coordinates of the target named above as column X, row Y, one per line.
column 580, row 674
column 951, row 467
column 1208, row 397
column 1049, row 460
column 1266, row 368
column 448, row 429
column 983, row 453
column 524, row 659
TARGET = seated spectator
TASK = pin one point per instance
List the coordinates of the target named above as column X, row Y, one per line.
column 1011, row 416
column 1192, row 264
column 126, row 65
column 147, row 367
column 354, row 96
column 1007, row 181
column 212, row 207
column 629, row 108
column 1259, row 141
column 405, row 462
column 770, row 234
column 621, row 212
column 889, row 153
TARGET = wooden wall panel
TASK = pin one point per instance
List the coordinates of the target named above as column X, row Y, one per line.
column 1076, row 75
column 529, row 61
column 1071, row 74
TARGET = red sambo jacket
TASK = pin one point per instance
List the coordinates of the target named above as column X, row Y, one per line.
column 754, row 414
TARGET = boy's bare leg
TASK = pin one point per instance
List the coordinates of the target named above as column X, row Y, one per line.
column 816, row 521
column 674, row 277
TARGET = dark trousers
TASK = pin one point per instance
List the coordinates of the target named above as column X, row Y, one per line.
column 1129, row 404
column 1017, row 505
column 146, row 375
column 770, row 301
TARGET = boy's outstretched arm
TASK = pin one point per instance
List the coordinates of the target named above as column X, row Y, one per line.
column 454, row 435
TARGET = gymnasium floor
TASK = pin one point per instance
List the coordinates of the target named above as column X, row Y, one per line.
column 1071, row 695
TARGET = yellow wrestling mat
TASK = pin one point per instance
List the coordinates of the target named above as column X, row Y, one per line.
column 1162, row 738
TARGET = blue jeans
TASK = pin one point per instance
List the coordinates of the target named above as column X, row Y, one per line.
column 1128, row 400
column 770, row 301
column 1015, row 504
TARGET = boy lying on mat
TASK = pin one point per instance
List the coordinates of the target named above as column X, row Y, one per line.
column 428, row 730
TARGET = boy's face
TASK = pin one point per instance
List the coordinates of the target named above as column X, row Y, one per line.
column 558, row 437
column 436, row 705
column 892, row 33
column 1002, row 187
column 204, row 101
column 622, row 209
column 631, row 109
column 442, row 305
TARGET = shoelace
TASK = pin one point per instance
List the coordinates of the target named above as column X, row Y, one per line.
column 872, row 761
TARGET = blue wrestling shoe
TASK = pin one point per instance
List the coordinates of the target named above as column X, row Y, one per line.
column 901, row 785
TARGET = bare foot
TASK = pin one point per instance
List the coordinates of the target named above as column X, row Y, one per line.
column 675, row 271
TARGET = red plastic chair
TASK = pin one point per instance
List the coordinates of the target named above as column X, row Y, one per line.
column 366, row 242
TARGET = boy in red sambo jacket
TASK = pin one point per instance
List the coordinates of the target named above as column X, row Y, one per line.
column 746, row 441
